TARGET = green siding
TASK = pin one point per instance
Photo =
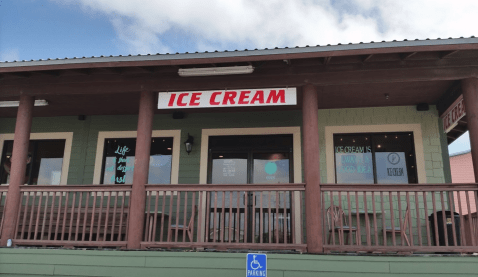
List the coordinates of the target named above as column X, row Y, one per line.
column 86, row 134
column 60, row 262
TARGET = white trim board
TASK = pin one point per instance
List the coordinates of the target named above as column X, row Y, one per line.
column 67, row 136
column 175, row 134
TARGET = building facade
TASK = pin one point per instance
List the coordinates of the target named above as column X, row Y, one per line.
column 338, row 148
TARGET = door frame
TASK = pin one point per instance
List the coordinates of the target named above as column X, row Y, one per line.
column 297, row 158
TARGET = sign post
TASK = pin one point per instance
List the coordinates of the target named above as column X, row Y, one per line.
column 256, row 265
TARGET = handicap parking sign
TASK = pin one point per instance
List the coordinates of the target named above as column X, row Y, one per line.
column 256, row 265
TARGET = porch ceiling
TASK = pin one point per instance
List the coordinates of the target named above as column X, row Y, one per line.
column 337, row 96
column 349, row 78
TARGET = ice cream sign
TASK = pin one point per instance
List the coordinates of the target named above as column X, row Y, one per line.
column 453, row 114
column 227, row 98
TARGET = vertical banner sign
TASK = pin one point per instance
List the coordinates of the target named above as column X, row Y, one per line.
column 120, row 158
column 453, row 114
column 256, row 265
column 227, row 98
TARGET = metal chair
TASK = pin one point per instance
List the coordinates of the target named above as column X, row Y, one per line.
column 401, row 230
column 189, row 229
column 340, row 225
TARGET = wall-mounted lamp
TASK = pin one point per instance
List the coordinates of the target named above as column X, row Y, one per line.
column 189, row 144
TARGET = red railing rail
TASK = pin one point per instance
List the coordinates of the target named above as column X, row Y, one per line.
column 250, row 216
column 398, row 218
column 73, row 216
column 3, row 198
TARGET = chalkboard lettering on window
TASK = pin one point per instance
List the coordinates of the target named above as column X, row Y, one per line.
column 121, row 168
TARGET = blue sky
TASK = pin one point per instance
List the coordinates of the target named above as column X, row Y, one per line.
column 40, row 29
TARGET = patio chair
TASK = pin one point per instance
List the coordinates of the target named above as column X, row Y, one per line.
column 336, row 215
column 403, row 229
column 189, row 229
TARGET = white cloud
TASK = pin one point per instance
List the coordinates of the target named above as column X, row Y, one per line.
column 11, row 54
column 146, row 25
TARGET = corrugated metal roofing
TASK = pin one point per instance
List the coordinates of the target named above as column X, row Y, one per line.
column 245, row 52
column 460, row 153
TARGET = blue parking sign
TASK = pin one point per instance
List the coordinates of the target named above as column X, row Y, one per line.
column 256, row 265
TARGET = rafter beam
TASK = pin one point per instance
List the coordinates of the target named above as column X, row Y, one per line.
column 49, row 73
column 147, row 69
column 447, row 53
column 404, row 56
column 366, row 58
column 327, row 60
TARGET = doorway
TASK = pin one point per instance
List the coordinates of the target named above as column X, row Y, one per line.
column 240, row 216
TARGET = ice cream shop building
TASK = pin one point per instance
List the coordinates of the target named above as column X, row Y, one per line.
column 194, row 159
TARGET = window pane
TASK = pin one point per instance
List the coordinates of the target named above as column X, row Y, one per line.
column 391, row 168
column 50, row 171
column 160, row 169
column 44, row 163
column 118, row 162
column 271, row 168
column 229, row 168
column 353, row 159
column 394, row 158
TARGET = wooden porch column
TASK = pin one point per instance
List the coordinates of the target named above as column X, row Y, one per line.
column 470, row 97
column 141, row 170
column 310, row 133
column 19, row 165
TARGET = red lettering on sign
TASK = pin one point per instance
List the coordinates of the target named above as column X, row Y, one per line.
column 180, row 100
column 212, row 101
column 229, row 96
column 194, row 99
column 243, row 97
column 275, row 97
column 259, row 96
column 171, row 100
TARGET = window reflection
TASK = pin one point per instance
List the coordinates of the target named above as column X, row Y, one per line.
column 385, row 158
column 44, row 162
column 119, row 158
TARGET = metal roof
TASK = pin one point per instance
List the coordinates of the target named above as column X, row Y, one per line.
column 460, row 153
column 244, row 53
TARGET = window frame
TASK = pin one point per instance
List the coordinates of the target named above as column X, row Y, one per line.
column 67, row 136
column 102, row 136
column 411, row 171
column 415, row 129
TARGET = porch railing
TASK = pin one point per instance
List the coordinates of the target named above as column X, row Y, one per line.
column 3, row 198
column 398, row 218
column 258, row 216
column 369, row 218
column 73, row 216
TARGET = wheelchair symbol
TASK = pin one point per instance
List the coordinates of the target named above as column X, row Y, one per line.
column 255, row 264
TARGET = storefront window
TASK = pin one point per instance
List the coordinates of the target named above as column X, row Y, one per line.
column 44, row 162
column 380, row 158
column 118, row 161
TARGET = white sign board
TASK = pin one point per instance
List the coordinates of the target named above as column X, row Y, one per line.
column 391, row 168
column 453, row 114
column 227, row 98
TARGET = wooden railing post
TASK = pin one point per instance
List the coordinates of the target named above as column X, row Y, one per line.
column 470, row 97
column 141, row 170
column 310, row 134
column 18, row 167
